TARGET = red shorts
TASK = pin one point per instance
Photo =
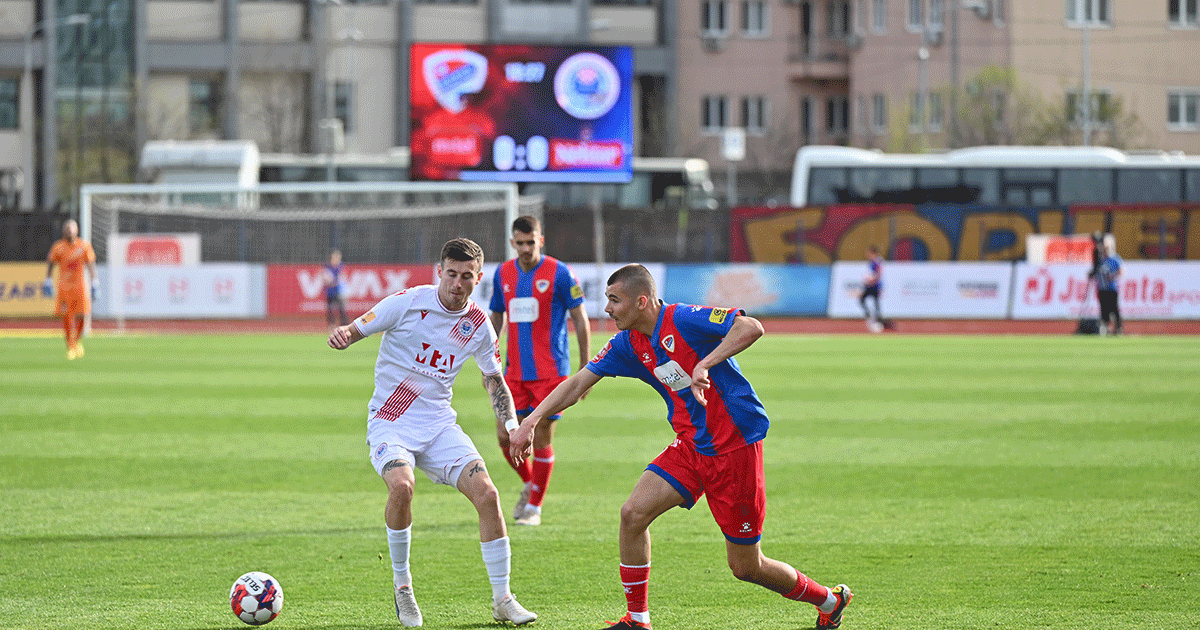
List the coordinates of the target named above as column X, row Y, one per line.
column 734, row 482
column 527, row 394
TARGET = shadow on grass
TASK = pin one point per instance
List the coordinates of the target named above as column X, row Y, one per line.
column 90, row 538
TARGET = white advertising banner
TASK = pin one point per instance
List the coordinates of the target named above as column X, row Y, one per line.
column 592, row 277
column 950, row 290
column 1149, row 290
column 218, row 290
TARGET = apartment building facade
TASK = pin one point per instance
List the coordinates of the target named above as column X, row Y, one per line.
column 84, row 83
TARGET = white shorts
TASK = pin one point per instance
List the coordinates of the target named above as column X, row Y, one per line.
column 441, row 458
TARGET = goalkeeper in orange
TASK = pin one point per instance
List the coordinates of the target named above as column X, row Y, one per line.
column 73, row 301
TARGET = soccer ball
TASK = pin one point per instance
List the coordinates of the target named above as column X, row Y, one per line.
column 256, row 598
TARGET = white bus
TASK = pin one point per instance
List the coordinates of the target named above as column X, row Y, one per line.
column 659, row 183
column 994, row 176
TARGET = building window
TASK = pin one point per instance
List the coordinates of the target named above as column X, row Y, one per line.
column 879, row 15
column 879, row 115
column 754, row 114
column 343, row 104
column 864, row 115
column 756, row 19
column 837, row 115
column 806, row 120
column 1100, row 106
column 204, row 106
column 1182, row 12
column 712, row 113
column 10, row 104
column 1091, row 12
column 837, row 18
column 712, row 18
column 936, row 14
column 914, row 112
column 937, row 112
column 1183, row 111
column 916, row 15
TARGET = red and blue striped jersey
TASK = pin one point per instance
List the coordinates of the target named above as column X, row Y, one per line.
column 536, row 302
column 665, row 360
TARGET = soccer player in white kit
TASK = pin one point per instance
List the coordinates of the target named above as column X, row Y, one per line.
column 428, row 332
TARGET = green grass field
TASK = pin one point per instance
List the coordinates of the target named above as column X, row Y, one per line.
column 952, row 482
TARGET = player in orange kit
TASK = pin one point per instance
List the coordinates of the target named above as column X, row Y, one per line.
column 74, row 300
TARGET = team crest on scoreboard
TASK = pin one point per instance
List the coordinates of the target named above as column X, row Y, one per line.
column 668, row 343
column 542, row 284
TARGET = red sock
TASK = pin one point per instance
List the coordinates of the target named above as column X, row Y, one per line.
column 525, row 469
column 808, row 591
column 69, row 331
column 636, row 581
column 543, row 465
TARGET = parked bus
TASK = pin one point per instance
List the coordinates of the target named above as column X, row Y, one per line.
column 994, row 176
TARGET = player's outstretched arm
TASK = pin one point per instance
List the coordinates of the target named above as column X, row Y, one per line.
column 343, row 336
column 744, row 332
column 568, row 392
column 502, row 401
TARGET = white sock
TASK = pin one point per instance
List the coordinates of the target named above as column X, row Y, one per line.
column 398, row 544
column 642, row 617
column 497, row 557
column 830, row 603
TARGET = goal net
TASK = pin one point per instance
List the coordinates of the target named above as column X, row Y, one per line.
column 270, row 225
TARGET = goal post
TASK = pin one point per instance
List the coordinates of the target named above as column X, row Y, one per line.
column 299, row 223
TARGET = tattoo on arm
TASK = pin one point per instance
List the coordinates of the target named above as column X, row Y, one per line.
column 502, row 402
column 395, row 463
column 477, row 468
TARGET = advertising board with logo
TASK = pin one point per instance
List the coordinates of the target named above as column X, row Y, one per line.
column 21, row 290
column 759, row 289
column 942, row 290
column 155, row 249
column 514, row 112
column 1148, row 290
column 300, row 289
column 217, row 290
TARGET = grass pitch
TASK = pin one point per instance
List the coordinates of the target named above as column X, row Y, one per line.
column 952, row 482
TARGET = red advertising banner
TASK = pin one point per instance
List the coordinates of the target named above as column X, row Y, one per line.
column 300, row 289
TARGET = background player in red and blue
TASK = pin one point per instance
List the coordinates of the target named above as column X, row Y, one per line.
column 686, row 353
column 536, row 293
column 872, row 283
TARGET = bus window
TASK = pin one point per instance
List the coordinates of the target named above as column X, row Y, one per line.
column 941, row 185
column 1085, row 185
column 1029, row 186
column 1192, row 177
column 984, row 184
column 1149, row 185
column 882, row 185
column 825, row 185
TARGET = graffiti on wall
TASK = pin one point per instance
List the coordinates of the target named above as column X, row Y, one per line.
column 821, row 235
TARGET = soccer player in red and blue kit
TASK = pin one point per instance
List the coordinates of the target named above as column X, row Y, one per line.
column 686, row 354
column 535, row 293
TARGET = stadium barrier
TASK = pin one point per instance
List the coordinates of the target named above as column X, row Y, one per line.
column 1149, row 290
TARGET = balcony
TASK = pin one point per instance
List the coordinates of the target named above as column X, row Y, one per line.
column 818, row 58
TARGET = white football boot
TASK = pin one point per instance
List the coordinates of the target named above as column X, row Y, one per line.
column 510, row 610
column 406, row 608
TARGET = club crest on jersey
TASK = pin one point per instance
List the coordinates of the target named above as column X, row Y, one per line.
column 542, row 285
column 668, row 343
column 380, row 450
column 603, row 351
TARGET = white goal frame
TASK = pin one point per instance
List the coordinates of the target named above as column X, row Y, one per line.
column 88, row 192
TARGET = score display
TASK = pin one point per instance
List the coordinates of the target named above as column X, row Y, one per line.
column 514, row 112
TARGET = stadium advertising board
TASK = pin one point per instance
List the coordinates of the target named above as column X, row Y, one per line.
column 760, row 289
column 21, row 290
column 940, row 290
column 521, row 113
column 1149, row 290
column 155, row 249
column 216, row 290
column 299, row 289
column 592, row 279
column 819, row 235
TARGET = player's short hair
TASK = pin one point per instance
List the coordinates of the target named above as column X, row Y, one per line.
column 527, row 225
column 462, row 250
column 636, row 278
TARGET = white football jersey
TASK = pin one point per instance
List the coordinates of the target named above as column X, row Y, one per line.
column 422, row 350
